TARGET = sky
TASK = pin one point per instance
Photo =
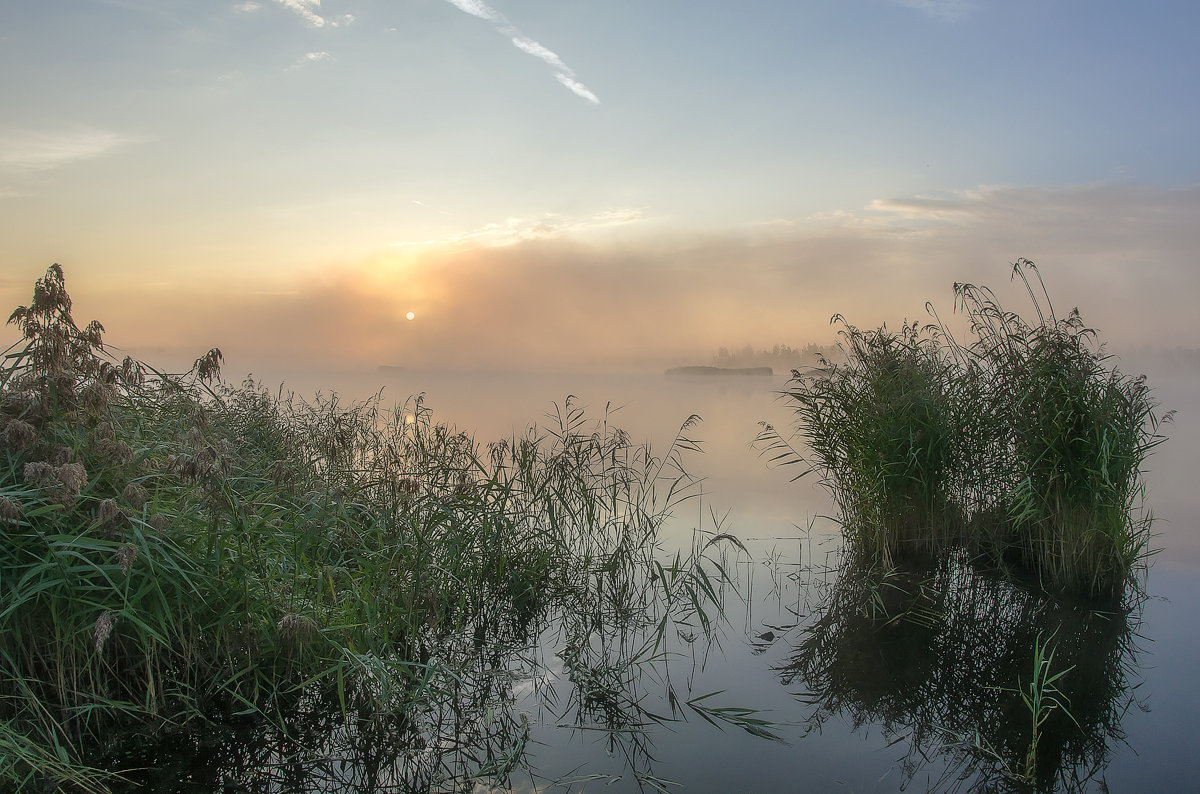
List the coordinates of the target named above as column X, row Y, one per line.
column 590, row 183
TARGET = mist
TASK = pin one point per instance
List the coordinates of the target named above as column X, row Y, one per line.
column 642, row 299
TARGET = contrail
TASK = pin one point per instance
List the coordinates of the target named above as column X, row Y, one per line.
column 563, row 73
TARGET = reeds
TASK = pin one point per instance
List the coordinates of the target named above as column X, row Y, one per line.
column 1024, row 446
column 883, row 428
column 174, row 549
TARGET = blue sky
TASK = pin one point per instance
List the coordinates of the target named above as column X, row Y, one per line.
column 519, row 174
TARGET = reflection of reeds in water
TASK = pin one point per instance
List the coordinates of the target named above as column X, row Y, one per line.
column 944, row 657
column 181, row 552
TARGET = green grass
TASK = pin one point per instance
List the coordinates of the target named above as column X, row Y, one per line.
column 1024, row 445
column 176, row 550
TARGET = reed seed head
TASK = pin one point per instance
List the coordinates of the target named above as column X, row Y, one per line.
column 126, row 555
column 132, row 371
column 96, row 395
column 10, row 510
column 63, row 482
column 73, row 476
column 134, row 495
column 114, row 452
column 18, row 434
column 38, row 473
column 107, row 511
column 208, row 366
column 282, row 474
column 293, row 627
column 93, row 333
column 102, row 629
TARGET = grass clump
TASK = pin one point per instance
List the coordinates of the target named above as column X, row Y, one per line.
column 882, row 425
column 1072, row 434
column 175, row 550
column 1024, row 445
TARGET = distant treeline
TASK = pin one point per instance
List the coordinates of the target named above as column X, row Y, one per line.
column 779, row 357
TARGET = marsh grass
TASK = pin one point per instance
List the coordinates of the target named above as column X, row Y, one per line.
column 882, row 427
column 1025, row 446
column 178, row 551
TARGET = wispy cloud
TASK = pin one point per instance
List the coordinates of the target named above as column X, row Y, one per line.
column 477, row 9
column 517, row 230
column 309, row 11
column 563, row 73
column 40, row 150
column 312, row 57
column 578, row 88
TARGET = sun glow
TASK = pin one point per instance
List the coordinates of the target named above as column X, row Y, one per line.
column 411, row 316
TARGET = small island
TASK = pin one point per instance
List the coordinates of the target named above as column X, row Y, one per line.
column 703, row 370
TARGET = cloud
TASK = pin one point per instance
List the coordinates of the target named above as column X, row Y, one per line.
column 538, row 51
column 476, row 8
column 578, row 88
column 42, row 150
column 547, row 226
column 312, row 57
column 308, row 11
column 563, row 73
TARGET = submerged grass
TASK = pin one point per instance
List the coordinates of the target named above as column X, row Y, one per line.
column 177, row 550
column 1024, row 446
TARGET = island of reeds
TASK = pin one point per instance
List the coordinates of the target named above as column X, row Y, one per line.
column 178, row 552
column 1023, row 444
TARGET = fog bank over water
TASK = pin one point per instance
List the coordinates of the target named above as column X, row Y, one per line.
column 629, row 298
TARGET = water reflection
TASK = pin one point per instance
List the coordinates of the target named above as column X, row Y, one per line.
column 955, row 665
column 469, row 733
column 468, row 713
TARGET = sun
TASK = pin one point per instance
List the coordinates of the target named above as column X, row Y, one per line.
column 411, row 316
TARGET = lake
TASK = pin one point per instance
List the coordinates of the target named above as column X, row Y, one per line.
column 920, row 695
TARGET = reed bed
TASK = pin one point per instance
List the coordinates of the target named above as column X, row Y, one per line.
column 177, row 550
column 1024, row 445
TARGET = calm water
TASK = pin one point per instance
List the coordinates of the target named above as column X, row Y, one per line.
column 858, row 704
